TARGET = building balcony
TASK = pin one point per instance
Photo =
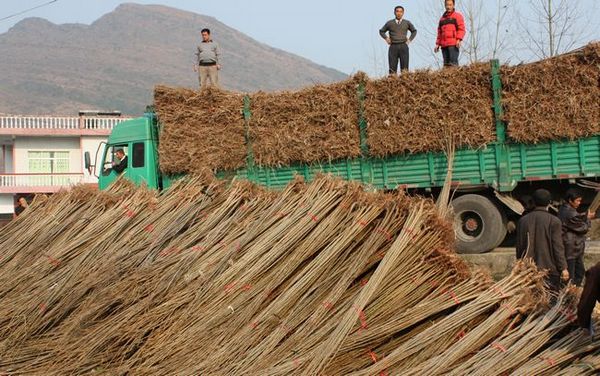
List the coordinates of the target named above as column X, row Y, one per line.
column 58, row 125
column 39, row 183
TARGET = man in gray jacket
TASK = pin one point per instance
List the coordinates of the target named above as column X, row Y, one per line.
column 395, row 34
column 539, row 237
column 575, row 227
column 208, row 61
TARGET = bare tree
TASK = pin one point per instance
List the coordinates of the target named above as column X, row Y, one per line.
column 551, row 27
column 486, row 28
column 428, row 33
column 378, row 57
column 502, row 7
column 475, row 21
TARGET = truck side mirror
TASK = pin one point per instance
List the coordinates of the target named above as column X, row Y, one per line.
column 87, row 162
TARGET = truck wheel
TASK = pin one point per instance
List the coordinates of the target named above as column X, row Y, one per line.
column 478, row 224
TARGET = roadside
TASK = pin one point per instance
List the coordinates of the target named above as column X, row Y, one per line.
column 500, row 260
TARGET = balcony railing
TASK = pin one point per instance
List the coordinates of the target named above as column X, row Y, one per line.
column 40, row 180
column 60, row 122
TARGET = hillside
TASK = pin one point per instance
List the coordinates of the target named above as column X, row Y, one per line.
column 114, row 63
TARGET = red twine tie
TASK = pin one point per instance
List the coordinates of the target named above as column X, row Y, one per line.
column 53, row 261
column 372, row 355
column 362, row 317
column 387, row 235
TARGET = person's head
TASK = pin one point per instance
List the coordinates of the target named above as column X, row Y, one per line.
column 205, row 35
column 119, row 153
column 573, row 197
column 449, row 5
column 399, row 12
column 527, row 202
column 541, row 197
column 22, row 202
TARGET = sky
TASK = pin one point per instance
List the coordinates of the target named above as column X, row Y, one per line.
column 343, row 34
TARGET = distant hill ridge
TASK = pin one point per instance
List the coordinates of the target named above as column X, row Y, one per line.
column 114, row 63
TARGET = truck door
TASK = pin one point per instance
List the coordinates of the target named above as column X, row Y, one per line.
column 141, row 167
column 108, row 173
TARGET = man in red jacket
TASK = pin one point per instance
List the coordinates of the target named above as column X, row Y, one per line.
column 451, row 31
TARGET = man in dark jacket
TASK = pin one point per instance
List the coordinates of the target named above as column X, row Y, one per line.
column 589, row 296
column 121, row 164
column 395, row 34
column 539, row 237
column 22, row 205
column 575, row 226
column 451, row 32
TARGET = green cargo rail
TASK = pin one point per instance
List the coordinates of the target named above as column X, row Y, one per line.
column 500, row 165
column 545, row 161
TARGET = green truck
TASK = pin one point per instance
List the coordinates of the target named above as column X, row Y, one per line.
column 491, row 183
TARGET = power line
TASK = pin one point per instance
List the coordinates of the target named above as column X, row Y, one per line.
column 28, row 10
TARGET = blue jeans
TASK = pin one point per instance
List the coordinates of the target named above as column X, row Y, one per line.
column 450, row 55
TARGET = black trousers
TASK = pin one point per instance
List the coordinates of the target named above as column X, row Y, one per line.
column 576, row 270
column 450, row 55
column 554, row 285
column 398, row 51
column 553, row 282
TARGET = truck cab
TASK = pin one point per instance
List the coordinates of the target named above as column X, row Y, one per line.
column 138, row 138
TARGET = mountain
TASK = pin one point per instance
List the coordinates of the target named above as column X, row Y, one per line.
column 114, row 63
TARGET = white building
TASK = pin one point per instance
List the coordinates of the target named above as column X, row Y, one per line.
column 42, row 154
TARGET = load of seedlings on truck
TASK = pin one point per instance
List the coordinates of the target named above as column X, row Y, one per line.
column 200, row 132
column 554, row 98
column 318, row 123
column 417, row 112
column 321, row 278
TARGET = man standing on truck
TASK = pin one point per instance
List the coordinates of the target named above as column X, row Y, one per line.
column 539, row 237
column 208, row 61
column 575, row 226
column 450, row 33
column 395, row 34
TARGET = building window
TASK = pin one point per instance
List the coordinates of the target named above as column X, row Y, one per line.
column 48, row 162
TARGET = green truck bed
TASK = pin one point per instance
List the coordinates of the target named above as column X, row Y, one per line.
column 500, row 165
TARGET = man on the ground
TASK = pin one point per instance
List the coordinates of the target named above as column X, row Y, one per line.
column 21, row 206
column 539, row 237
column 589, row 297
column 575, row 227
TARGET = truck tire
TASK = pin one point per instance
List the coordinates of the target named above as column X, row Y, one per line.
column 479, row 225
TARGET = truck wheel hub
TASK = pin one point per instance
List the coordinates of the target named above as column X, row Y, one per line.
column 471, row 224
